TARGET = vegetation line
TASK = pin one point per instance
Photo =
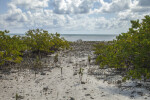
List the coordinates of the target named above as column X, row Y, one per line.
column 35, row 43
column 130, row 52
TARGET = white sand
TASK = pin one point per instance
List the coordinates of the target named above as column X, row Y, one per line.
column 54, row 86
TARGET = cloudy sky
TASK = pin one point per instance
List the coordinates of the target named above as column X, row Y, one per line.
column 71, row 16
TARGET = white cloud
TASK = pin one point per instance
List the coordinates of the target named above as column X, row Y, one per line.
column 141, row 6
column 144, row 3
column 30, row 4
column 72, row 15
column 114, row 6
column 72, row 6
column 140, row 9
column 15, row 14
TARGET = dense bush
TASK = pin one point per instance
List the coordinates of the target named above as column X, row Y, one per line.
column 10, row 48
column 41, row 41
column 130, row 51
column 35, row 41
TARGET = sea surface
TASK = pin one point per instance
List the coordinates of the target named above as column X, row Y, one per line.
column 83, row 37
column 89, row 37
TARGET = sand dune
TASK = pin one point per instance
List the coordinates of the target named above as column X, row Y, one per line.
column 52, row 84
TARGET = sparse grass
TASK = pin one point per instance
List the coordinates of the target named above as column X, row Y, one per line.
column 89, row 59
column 18, row 97
column 56, row 58
column 37, row 64
column 81, row 73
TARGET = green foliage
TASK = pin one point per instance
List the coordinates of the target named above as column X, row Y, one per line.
column 37, row 41
column 41, row 41
column 10, row 48
column 130, row 51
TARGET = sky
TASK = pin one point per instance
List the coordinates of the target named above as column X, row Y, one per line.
column 71, row 16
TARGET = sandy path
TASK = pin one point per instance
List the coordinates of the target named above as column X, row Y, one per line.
column 66, row 86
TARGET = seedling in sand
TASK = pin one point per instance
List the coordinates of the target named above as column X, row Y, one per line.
column 37, row 65
column 56, row 58
column 89, row 59
column 81, row 74
column 18, row 97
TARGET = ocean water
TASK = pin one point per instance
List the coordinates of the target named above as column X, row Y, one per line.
column 83, row 37
column 88, row 37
